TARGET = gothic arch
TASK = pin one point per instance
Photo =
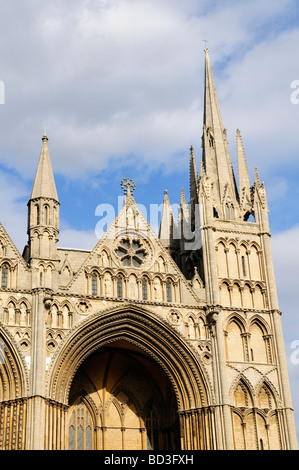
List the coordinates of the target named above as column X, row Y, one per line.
column 235, row 344
column 260, row 346
column 6, row 261
column 105, row 257
column 246, row 387
column 235, row 316
column 261, row 322
column 95, row 270
column 13, row 370
column 225, row 296
column 267, row 384
column 142, row 328
column 107, row 270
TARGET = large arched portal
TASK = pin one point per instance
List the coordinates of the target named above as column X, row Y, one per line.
column 132, row 381
column 122, row 400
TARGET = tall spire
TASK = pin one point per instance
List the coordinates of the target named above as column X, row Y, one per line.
column 244, row 182
column 216, row 159
column 44, row 183
column 166, row 221
column 193, row 177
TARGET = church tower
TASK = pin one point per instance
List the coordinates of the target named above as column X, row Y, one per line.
column 241, row 300
column 43, row 221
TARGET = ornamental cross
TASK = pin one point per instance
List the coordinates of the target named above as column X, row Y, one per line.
column 128, row 186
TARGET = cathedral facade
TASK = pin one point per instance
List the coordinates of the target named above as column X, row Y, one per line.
column 165, row 342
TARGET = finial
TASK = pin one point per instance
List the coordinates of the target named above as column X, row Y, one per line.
column 45, row 137
column 165, row 192
column 128, row 186
column 206, row 48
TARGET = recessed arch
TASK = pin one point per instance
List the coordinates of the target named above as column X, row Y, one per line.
column 141, row 328
column 13, row 369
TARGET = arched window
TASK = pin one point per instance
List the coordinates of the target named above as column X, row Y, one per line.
column 119, row 286
column 37, row 214
column 4, row 277
column 225, row 295
column 191, row 328
column 94, row 284
column 144, row 289
column 258, row 344
column 243, row 266
column 46, row 215
column 152, row 430
column 221, row 260
column 229, row 212
column 80, row 435
column 168, row 291
column 234, row 342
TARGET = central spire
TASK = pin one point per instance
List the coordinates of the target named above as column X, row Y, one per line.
column 216, row 159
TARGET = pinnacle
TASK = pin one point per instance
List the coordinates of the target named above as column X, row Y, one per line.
column 44, row 183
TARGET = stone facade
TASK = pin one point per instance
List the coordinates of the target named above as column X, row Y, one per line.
column 148, row 342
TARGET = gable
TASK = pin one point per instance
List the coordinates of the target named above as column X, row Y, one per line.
column 130, row 248
column 8, row 250
column 17, row 272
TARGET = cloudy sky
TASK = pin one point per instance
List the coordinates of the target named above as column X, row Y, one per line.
column 118, row 85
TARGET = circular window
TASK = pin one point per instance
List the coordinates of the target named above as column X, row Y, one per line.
column 131, row 252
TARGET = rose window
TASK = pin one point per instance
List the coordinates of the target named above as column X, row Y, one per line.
column 131, row 252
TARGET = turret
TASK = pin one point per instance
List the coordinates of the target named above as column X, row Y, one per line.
column 43, row 211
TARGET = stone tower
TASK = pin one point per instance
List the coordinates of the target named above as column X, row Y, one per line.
column 43, row 222
column 148, row 342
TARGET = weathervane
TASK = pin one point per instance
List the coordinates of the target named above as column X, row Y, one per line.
column 206, row 42
column 128, row 186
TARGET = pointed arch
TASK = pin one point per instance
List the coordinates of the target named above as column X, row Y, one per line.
column 236, row 300
column 202, row 330
column 221, row 259
column 81, row 424
column 267, row 397
column 242, row 395
column 225, row 297
column 259, row 348
column 255, row 262
column 235, row 348
column 191, row 327
column 232, row 260
column 258, row 297
column 247, row 296
column 105, row 257
column 14, row 380
column 157, row 338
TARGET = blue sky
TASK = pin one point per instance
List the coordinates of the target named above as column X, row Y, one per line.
column 118, row 85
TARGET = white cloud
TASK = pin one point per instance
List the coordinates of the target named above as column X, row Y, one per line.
column 118, row 78
column 77, row 239
column 13, row 209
